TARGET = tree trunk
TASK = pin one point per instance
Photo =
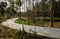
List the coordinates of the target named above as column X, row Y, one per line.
column 52, row 12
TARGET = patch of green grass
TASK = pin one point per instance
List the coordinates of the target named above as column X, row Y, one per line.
column 20, row 21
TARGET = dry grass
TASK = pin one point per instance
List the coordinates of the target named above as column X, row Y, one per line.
column 48, row 24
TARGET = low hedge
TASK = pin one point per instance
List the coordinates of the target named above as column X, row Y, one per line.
column 21, row 21
column 55, row 19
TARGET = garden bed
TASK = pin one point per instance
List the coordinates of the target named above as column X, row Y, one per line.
column 40, row 21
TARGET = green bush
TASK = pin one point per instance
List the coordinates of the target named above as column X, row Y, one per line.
column 20, row 21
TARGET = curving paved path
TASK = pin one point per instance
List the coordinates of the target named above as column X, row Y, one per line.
column 44, row 31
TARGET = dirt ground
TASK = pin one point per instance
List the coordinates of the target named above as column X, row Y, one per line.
column 48, row 24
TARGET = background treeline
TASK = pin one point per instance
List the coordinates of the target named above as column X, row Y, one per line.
column 41, row 9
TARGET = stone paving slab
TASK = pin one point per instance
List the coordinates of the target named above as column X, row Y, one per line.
column 44, row 31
